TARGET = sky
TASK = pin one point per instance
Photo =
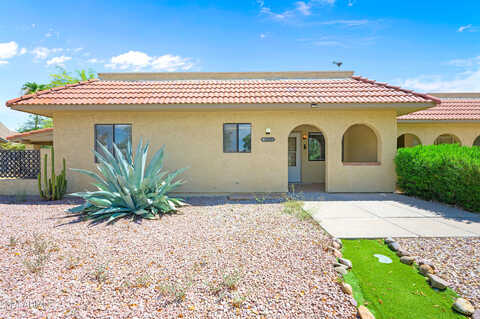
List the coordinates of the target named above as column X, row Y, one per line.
column 428, row 46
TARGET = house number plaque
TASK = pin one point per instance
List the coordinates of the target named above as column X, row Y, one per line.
column 268, row 139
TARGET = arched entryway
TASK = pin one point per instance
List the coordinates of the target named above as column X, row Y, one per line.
column 306, row 158
column 360, row 145
column 447, row 139
column 477, row 141
column 408, row 140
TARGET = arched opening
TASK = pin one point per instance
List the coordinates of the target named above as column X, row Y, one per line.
column 306, row 158
column 477, row 141
column 359, row 144
column 408, row 140
column 447, row 139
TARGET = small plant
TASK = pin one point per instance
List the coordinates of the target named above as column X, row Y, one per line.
column 100, row 273
column 295, row 208
column 13, row 241
column 231, row 280
column 144, row 280
column 238, row 300
column 178, row 292
column 128, row 187
column 72, row 262
column 55, row 187
column 40, row 255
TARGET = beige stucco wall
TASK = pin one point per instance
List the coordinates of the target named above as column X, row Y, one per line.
column 23, row 186
column 428, row 132
column 194, row 139
column 360, row 144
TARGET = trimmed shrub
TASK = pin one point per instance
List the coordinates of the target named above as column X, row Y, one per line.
column 446, row 173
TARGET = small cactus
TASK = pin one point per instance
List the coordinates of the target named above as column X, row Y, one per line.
column 55, row 187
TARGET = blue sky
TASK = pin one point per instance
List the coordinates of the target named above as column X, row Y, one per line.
column 422, row 45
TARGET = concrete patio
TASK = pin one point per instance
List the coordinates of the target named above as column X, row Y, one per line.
column 382, row 215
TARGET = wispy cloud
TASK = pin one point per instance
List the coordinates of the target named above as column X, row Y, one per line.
column 7, row 51
column 59, row 60
column 468, row 62
column 467, row 27
column 299, row 8
column 350, row 23
column 136, row 61
column 41, row 53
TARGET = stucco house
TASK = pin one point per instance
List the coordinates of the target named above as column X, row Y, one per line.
column 242, row 132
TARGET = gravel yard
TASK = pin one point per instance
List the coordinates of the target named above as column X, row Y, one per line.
column 213, row 260
column 455, row 259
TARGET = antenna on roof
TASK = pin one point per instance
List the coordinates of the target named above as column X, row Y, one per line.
column 338, row 64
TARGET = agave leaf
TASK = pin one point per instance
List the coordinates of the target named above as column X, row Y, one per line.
column 156, row 163
column 116, row 216
column 99, row 202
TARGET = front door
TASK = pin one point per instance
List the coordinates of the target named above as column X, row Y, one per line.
column 294, row 160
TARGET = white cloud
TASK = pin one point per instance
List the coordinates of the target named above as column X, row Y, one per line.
column 461, row 82
column 42, row 53
column 95, row 60
column 350, row 23
column 464, row 27
column 3, row 62
column 262, row 35
column 23, row 51
column 469, row 62
column 59, row 60
column 136, row 60
column 8, row 49
column 301, row 8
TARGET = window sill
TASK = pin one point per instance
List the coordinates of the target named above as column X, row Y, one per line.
column 361, row 163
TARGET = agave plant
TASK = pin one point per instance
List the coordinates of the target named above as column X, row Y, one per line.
column 127, row 187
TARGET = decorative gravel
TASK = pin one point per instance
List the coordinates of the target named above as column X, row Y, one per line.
column 215, row 259
column 455, row 259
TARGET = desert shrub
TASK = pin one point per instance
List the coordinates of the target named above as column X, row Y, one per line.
column 448, row 173
column 128, row 186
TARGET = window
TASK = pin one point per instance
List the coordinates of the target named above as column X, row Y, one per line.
column 107, row 134
column 237, row 138
column 316, row 146
column 407, row 140
column 447, row 139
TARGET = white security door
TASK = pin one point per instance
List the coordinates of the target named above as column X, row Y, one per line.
column 294, row 160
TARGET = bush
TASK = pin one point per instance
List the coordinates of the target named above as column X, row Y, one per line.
column 447, row 173
column 128, row 187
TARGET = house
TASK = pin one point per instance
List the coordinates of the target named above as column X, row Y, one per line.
column 4, row 132
column 33, row 139
column 242, row 132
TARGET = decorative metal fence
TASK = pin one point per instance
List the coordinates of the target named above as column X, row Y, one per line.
column 19, row 164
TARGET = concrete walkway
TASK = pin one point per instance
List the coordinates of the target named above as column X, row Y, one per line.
column 383, row 215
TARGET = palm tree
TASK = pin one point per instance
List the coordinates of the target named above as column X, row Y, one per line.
column 33, row 87
column 35, row 122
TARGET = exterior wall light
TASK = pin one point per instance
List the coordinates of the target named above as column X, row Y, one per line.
column 267, row 131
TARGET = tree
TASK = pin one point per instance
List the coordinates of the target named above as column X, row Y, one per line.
column 62, row 77
column 33, row 87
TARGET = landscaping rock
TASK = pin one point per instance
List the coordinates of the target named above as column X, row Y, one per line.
column 407, row 260
column 476, row 314
column 341, row 270
column 365, row 313
column 389, row 240
column 336, row 252
column 347, row 288
column 336, row 245
column 437, row 282
column 463, row 306
column 345, row 262
column 425, row 270
column 401, row 253
column 338, row 241
column 394, row 246
column 426, row 262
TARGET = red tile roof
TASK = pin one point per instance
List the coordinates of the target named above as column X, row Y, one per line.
column 250, row 91
column 30, row 133
column 450, row 109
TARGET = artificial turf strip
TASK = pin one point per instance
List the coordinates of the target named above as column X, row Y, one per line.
column 393, row 291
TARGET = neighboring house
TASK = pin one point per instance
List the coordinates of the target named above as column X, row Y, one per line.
column 4, row 132
column 455, row 120
column 238, row 132
column 33, row 139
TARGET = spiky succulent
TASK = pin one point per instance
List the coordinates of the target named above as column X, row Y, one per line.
column 128, row 187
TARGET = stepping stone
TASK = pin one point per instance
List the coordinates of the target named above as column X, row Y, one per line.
column 345, row 262
column 346, row 288
column 394, row 246
column 338, row 241
column 407, row 260
column 336, row 252
column 463, row 306
column 437, row 282
column 341, row 270
column 425, row 270
column 365, row 313
column 336, row 245
column 426, row 262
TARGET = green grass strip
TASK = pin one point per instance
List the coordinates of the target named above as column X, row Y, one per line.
column 395, row 290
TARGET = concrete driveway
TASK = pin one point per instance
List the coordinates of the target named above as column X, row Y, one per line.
column 383, row 215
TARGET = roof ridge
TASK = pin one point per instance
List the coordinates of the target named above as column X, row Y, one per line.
column 57, row 88
column 42, row 130
column 398, row 88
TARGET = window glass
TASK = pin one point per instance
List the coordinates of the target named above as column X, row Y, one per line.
column 237, row 138
column 244, row 138
column 229, row 138
column 292, row 151
column 123, row 135
column 103, row 135
column 316, row 147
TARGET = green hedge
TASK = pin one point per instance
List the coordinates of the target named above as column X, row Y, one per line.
column 447, row 173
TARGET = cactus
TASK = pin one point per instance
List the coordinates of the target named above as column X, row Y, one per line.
column 55, row 187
